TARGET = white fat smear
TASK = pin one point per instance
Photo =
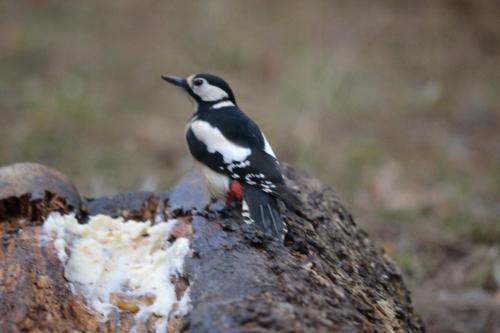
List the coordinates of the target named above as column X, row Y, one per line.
column 122, row 265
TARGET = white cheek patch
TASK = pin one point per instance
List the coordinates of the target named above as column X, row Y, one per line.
column 217, row 142
column 209, row 93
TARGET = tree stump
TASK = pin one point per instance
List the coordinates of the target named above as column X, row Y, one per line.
column 327, row 276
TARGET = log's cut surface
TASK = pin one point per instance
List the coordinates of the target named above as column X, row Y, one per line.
column 29, row 191
column 326, row 277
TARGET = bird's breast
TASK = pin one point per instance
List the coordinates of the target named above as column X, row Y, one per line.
column 217, row 184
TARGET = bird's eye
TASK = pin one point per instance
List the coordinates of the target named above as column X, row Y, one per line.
column 198, row 82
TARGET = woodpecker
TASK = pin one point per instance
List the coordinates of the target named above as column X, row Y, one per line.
column 233, row 154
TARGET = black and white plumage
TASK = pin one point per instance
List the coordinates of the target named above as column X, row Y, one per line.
column 229, row 146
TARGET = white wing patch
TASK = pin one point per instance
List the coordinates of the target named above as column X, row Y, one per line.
column 267, row 146
column 217, row 142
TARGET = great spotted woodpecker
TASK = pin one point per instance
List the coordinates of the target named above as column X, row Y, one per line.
column 233, row 153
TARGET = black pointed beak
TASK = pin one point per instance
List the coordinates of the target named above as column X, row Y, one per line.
column 175, row 80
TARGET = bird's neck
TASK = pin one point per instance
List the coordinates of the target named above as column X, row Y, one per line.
column 205, row 106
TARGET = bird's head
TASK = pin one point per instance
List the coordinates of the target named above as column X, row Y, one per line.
column 204, row 88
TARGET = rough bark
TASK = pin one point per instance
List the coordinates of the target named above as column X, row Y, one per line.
column 327, row 277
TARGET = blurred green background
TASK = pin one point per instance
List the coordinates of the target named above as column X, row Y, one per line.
column 395, row 104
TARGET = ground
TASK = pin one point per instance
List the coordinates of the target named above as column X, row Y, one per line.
column 396, row 105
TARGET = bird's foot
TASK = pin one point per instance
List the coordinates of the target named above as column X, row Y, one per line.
column 221, row 208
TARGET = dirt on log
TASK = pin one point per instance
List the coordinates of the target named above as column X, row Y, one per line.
column 327, row 276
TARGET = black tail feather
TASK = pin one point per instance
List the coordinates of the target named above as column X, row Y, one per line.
column 262, row 209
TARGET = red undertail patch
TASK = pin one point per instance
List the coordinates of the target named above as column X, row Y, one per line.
column 235, row 191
